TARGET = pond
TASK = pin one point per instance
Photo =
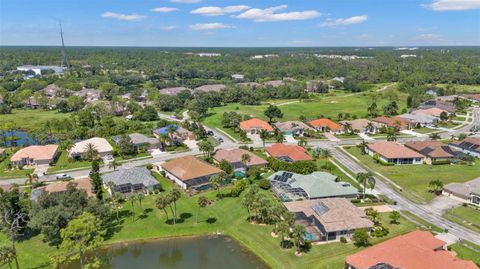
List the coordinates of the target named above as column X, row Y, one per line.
column 212, row 252
column 16, row 139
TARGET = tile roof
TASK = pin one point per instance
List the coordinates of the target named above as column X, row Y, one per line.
column 189, row 167
column 359, row 124
column 415, row 250
column 419, row 118
column 100, row 144
column 294, row 152
column 292, row 125
column 81, row 184
column 255, row 123
column 137, row 139
column 210, row 88
column 335, row 214
column 235, row 156
column 393, row 150
column 431, row 148
column 391, row 122
column 134, row 175
column 273, row 83
column 433, row 111
column 464, row 189
column 174, row 91
column 469, row 143
column 325, row 123
column 37, row 152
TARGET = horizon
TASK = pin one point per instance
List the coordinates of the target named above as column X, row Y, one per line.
column 241, row 23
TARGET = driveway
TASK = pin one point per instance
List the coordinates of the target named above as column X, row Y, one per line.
column 442, row 203
column 256, row 140
column 410, row 132
column 191, row 144
column 331, row 137
column 366, row 137
column 290, row 139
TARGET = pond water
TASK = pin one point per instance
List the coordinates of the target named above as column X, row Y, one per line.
column 212, row 252
column 16, row 139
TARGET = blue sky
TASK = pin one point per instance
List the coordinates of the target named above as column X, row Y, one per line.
column 241, row 22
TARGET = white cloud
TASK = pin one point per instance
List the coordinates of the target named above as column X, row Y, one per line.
column 428, row 37
column 447, row 5
column 186, row 1
column 164, row 9
column 218, row 11
column 210, row 26
column 269, row 14
column 123, row 17
column 345, row 21
column 168, row 27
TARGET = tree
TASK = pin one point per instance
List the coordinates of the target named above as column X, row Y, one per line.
column 113, row 164
column 115, row 201
column 444, row 116
column 91, row 152
column 173, row 197
column 126, row 146
column 298, row 233
column 216, row 182
column 82, row 234
column 161, row 203
column 302, row 142
column 373, row 215
column 363, row 147
column 96, row 180
column 373, row 110
column 392, row 134
column 202, row 202
column 263, row 135
column 171, row 131
column 7, row 256
column 273, row 112
column 206, row 148
column 226, row 166
column 434, row 136
column 394, row 217
column 367, row 181
column 283, row 228
column 435, row 186
column 360, row 238
column 246, row 159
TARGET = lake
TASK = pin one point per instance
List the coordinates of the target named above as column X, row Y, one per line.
column 16, row 139
column 212, row 252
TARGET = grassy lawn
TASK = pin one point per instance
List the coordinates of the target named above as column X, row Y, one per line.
column 7, row 173
column 28, row 118
column 415, row 178
column 230, row 217
column 423, row 223
column 326, row 105
column 466, row 253
column 463, row 88
column 465, row 216
column 66, row 163
column 424, row 130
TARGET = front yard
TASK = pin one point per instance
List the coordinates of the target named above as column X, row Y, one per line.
column 466, row 216
column 414, row 179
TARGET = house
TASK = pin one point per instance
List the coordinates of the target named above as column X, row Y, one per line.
column 174, row 91
column 472, row 97
column 189, row 171
column 255, row 126
column 432, row 150
column 293, row 187
column 101, row 145
column 210, row 88
column 90, row 95
column 35, row 155
column 329, row 219
column 238, row 77
column 316, row 86
column 251, row 85
column 434, row 111
column 130, row 181
column 466, row 192
column 392, row 152
column 180, row 134
column 326, row 125
column 140, row 141
column 361, row 126
column 83, row 184
column 234, row 157
column 51, row 90
column 288, row 153
column 31, row 102
column 273, row 83
column 395, row 122
column 415, row 250
column 292, row 127
column 470, row 146
column 419, row 119
column 438, row 103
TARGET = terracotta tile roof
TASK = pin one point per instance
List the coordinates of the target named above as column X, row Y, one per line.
column 359, row 124
column 292, row 125
column 100, row 144
column 46, row 152
column 392, row 122
column 434, row 111
column 81, row 184
column 235, row 156
column 255, row 123
column 336, row 214
column 431, row 148
column 393, row 150
column 415, row 250
column 325, row 123
column 294, row 152
column 189, row 167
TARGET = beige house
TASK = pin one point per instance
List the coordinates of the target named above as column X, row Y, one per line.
column 102, row 146
column 35, row 155
column 189, row 171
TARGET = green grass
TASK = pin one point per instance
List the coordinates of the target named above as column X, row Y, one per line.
column 423, row 223
column 7, row 173
column 466, row 216
column 65, row 163
column 231, row 220
column 414, row 179
column 29, row 118
column 424, row 130
column 463, row 88
column 466, row 253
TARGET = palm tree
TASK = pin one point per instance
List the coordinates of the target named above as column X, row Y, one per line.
column 162, row 203
column 202, row 202
column 139, row 198
column 215, row 181
column 115, row 199
column 263, row 136
column 284, row 229
column 434, row 136
column 31, row 178
column 325, row 153
column 298, row 235
column 366, row 180
column 132, row 199
column 114, row 164
column 174, row 195
column 347, row 127
column 91, row 152
column 302, row 142
column 206, row 148
column 370, row 127
column 246, row 159
column 392, row 134
column 171, row 130
column 363, row 147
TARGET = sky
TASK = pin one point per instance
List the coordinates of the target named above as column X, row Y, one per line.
column 241, row 23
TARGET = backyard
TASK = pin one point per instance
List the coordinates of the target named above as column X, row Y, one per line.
column 228, row 217
column 414, row 179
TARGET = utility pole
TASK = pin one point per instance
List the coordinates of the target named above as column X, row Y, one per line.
column 65, row 62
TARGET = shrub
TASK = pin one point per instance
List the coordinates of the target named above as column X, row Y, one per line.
column 441, row 162
column 360, row 238
column 264, row 183
column 239, row 187
column 343, row 239
column 149, row 166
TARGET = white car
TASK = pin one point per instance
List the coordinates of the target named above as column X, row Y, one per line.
column 63, row 176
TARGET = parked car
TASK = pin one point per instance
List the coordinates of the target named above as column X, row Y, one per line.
column 210, row 133
column 63, row 176
column 219, row 139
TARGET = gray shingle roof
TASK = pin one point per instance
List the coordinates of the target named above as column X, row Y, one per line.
column 135, row 175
